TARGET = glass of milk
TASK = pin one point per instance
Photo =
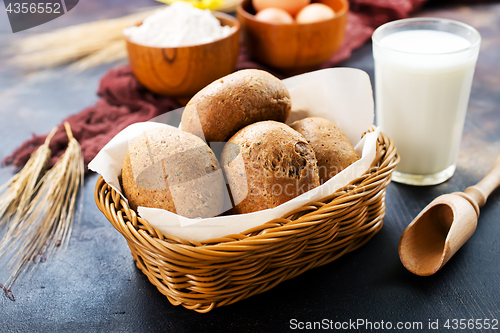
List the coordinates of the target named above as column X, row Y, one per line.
column 423, row 77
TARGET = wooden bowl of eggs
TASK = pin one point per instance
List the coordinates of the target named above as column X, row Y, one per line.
column 182, row 71
column 292, row 35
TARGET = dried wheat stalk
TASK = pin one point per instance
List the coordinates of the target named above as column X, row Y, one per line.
column 115, row 51
column 17, row 192
column 80, row 44
column 48, row 220
column 85, row 45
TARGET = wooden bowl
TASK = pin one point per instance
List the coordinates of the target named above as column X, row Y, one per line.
column 293, row 47
column 181, row 72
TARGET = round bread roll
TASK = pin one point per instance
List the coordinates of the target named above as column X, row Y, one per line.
column 266, row 164
column 333, row 150
column 239, row 99
column 173, row 170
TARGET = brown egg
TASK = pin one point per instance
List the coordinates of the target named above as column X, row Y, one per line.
column 314, row 12
column 274, row 15
column 291, row 6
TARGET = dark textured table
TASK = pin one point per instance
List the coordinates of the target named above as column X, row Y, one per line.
column 95, row 287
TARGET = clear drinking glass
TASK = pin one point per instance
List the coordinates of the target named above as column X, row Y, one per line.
column 423, row 77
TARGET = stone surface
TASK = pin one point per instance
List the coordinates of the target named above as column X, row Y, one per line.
column 95, row 287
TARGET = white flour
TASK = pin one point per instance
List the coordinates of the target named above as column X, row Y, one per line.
column 179, row 24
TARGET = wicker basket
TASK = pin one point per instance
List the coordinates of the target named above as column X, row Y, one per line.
column 204, row 275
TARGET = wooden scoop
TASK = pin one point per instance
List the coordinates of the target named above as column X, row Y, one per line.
column 437, row 233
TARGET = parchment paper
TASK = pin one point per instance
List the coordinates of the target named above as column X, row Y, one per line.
column 343, row 95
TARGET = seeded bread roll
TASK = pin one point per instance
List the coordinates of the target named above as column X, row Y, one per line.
column 266, row 164
column 173, row 170
column 239, row 99
column 333, row 150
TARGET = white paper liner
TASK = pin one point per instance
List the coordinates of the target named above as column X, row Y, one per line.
column 343, row 95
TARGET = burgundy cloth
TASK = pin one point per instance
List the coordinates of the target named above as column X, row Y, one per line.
column 124, row 101
column 365, row 16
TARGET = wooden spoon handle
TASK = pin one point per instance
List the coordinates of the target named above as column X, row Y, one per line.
column 488, row 184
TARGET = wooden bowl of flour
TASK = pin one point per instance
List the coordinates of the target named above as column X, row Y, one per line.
column 182, row 71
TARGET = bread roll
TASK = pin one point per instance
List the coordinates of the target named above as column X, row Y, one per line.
column 173, row 170
column 266, row 164
column 333, row 150
column 226, row 105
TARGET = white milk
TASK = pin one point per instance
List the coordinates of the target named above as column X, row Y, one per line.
column 423, row 80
